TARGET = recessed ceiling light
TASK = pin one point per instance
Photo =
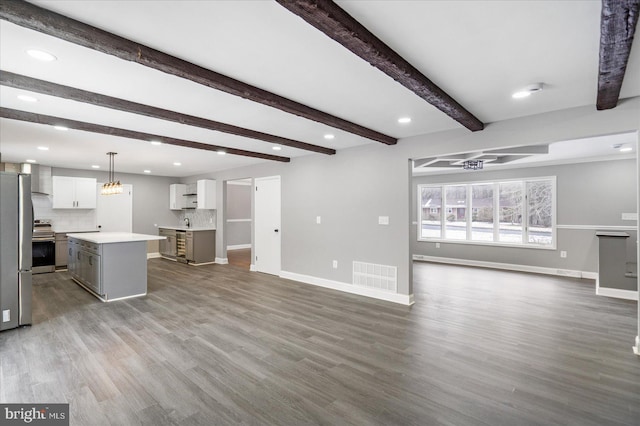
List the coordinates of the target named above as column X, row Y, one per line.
column 527, row 91
column 147, row 171
column 156, row 143
column 41, row 55
column 404, row 120
column 31, row 161
column 221, row 152
column 61, row 128
column 95, row 166
column 329, row 136
column 177, row 164
column 276, row 148
column 27, row 98
column 43, row 148
column 626, row 149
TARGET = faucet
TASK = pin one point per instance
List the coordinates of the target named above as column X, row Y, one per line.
column 186, row 221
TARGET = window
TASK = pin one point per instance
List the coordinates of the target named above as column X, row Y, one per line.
column 456, row 220
column 482, row 208
column 518, row 212
column 430, row 200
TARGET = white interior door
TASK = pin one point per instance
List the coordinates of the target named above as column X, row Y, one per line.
column 115, row 212
column 267, row 225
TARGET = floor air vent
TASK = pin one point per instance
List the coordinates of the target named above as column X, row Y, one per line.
column 378, row 277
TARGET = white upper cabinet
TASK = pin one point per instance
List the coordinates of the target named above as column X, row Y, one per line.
column 74, row 192
column 206, row 190
column 177, row 200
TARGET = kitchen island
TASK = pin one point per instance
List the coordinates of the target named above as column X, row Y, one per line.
column 110, row 265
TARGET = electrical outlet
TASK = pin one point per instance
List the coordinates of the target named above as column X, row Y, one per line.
column 437, row 245
column 318, row 220
column 6, row 315
column 563, row 254
column 335, row 264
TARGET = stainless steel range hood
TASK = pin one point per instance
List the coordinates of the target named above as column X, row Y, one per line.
column 41, row 182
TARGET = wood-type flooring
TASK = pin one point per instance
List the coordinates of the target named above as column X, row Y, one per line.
column 240, row 258
column 216, row 345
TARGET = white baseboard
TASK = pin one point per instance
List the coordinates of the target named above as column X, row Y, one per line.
column 252, row 268
column 402, row 299
column 509, row 267
column 153, row 255
column 636, row 348
column 222, row 260
column 239, row 247
column 590, row 275
column 617, row 293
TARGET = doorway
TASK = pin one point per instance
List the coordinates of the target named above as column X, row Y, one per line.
column 238, row 222
column 114, row 213
column 267, row 225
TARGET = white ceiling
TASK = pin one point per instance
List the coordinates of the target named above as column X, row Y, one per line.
column 477, row 51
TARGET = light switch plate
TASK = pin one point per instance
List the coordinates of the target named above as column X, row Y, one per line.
column 318, row 220
column 629, row 216
column 6, row 315
column 383, row 220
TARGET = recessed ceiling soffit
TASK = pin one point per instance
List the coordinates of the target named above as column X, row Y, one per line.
column 492, row 156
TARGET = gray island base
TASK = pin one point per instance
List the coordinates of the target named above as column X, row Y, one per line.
column 110, row 265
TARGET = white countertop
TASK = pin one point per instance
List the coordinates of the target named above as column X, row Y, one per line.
column 113, row 237
column 191, row 228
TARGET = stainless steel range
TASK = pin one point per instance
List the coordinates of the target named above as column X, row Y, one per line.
column 43, row 247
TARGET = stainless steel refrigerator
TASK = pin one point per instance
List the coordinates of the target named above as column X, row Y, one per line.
column 16, row 229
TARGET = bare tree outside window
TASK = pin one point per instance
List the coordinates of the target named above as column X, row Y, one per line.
column 510, row 205
column 540, row 206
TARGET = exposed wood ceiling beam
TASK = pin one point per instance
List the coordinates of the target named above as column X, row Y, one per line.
column 336, row 23
column 617, row 27
column 40, row 86
column 14, row 114
column 45, row 21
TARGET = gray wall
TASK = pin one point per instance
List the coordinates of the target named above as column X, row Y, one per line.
column 150, row 197
column 355, row 186
column 591, row 195
column 238, row 205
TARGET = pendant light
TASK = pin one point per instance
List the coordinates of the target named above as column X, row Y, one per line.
column 112, row 187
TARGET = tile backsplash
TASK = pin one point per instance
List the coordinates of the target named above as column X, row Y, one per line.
column 199, row 218
column 63, row 219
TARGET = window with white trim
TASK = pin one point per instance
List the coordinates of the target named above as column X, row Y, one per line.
column 505, row 212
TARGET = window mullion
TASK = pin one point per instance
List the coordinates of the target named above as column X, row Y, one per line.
column 525, row 213
column 468, row 206
column 443, row 213
column 496, row 212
